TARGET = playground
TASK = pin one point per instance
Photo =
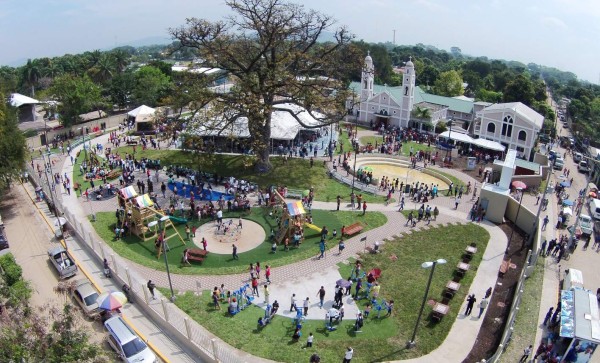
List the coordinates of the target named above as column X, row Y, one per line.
column 220, row 238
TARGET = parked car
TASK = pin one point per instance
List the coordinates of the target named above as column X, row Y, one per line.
column 62, row 262
column 559, row 163
column 577, row 157
column 583, row 167
column 3, row 242
column 585, row 223
column 85, row 294
column 126, row 343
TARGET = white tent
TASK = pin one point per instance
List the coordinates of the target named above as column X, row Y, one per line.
column 457, row 136
column 489, row 144
column 283, row 124
column 143, row 111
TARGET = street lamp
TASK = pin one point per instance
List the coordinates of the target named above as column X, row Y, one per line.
column 449, row 152
column 52, row 191
column 411, row 343
column 164, row 244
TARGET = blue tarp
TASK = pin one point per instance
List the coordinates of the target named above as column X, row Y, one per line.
column 184, row 190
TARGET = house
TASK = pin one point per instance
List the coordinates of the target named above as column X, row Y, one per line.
column 514, row 125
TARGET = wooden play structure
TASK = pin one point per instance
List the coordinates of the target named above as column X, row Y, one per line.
column 142, row 219
column 292, row 217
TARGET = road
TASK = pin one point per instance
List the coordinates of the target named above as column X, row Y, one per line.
column 30, row 237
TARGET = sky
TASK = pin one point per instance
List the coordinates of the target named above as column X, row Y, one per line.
column 558, row 33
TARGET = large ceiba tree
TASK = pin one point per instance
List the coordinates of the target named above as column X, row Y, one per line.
column 273, row 53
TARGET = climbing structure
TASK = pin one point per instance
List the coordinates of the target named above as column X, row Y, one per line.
column 292, row 217
column 142, row 219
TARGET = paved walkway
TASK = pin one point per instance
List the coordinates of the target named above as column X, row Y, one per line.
column 464, row 331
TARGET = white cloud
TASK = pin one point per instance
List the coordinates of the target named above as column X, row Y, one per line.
column 553, row 22
column 431, row 5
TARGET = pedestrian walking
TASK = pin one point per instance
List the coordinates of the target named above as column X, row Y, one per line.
column 470, row 302
column 305, row 306
column 266, row 292
column 234, row 253
column 546, row 220
column 548, row 316
column 348, row 355
column 255, row 287
column 339, row 201
column 526, row 353
column 268, row 273
column 364, row 207
column 151, row 287
column 321, row 295
column 482, row 305
column 293, row 303
column 322, row 246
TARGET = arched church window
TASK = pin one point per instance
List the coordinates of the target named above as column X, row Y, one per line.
column 522, row 135
column 491, row 127
column 507, row 124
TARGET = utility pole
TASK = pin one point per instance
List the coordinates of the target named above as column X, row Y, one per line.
column 394, row 41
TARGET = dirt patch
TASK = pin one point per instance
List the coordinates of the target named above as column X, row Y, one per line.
column 495, row 317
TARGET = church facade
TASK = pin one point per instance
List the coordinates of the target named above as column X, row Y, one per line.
column 515, row 125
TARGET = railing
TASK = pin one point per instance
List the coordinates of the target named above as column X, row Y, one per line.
column 165, row 314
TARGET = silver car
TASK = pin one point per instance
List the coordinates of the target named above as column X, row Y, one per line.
column 86, row 294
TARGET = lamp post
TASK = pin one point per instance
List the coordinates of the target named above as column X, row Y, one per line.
column 449, row 152
column 411, row 343
column 164, row 244
column 52, row 191
column 520, row 189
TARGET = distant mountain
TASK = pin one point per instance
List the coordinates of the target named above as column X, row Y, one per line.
column 154, row 40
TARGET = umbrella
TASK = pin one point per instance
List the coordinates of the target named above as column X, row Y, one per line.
column 61, row 220
column 565, row 184
column 343, row 283
column 519, row 184
column 568, row 211
column 305, row 193
column 562, row 176
column 38, row 189
column 366, row 168
column 568, row 202
column 593, row 195
column 111, row 300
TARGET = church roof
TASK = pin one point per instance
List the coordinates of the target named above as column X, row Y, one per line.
column 453, row 104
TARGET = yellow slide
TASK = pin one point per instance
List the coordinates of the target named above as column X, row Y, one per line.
column 312, row 226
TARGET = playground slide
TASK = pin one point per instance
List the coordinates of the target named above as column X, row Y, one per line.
column 178, row 220
column 312, row 226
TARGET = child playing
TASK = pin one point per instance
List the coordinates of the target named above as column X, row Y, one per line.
column 367, row 311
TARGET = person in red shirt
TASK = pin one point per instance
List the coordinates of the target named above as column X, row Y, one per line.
column 255, row 287
column 364, row 208
column 268, row 273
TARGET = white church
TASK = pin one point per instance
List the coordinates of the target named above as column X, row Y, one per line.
column 514, row 125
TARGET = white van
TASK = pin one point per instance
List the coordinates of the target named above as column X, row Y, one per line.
column 595, row 208
column 126, row 343
column 573, row 279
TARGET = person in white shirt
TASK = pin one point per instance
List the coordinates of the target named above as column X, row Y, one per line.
column 348, row 355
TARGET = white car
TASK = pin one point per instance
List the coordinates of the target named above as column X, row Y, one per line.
column 86, row 295
column 583, row 167
column 126, row 343
column 586, row 225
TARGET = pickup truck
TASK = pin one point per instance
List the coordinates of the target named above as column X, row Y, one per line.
column 585, row 223
column 62, row 262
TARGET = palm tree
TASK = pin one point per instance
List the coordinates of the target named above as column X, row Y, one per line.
column 52, row 69
column 93, row 58
column 422, row 113
column 104, row 68
column 121, row 59
column 31, row 74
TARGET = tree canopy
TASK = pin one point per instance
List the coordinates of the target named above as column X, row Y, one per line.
column 449, row 84
column 12, row 145
column 271, row 51
column 76, row 95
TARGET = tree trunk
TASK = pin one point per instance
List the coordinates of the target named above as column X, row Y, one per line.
column 260, row 132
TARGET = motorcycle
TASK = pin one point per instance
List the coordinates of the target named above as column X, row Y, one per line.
column 127, row 291
column 107, row 271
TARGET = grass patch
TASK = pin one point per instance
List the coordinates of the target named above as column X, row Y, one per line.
column 79, row 177
column 382, row 339
column 365, row 140
column 526, row 322
column 144, row 253
column 296, row 174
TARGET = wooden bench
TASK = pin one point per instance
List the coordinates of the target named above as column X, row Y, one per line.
column 353, row 229
column 196, row 254
column 504, row 267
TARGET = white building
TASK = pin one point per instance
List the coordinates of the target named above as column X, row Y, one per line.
column 514, row 125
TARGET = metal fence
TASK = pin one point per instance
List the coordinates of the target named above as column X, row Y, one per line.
column 165, row 314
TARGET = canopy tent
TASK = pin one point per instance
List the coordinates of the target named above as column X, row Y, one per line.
column 144, row 201
column 295, row 208
column 283, row 124
column 142, row 110
column 489, row 144
column 486, row 144
column 128, row 192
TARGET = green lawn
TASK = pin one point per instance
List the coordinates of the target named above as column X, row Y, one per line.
column 296, row 174
column 382, row 338
column 525, row 326
column 365, row 140
column 143, row 253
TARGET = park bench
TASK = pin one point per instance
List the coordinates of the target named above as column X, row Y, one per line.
column 504, row 266
column 353, row 229
column 196, row 254
column 294, row 193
